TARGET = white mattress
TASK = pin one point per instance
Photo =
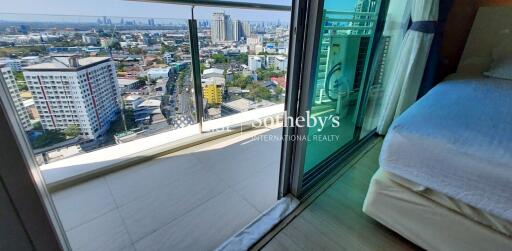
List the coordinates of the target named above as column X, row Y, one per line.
column 457, row 140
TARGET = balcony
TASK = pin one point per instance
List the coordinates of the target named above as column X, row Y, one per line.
column 195, row 198
column 189, row 181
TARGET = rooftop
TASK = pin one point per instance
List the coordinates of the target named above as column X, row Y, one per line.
column 126, row 81
column 243, row 104
column 62, row 63
column 150, row 103
column 213, row 71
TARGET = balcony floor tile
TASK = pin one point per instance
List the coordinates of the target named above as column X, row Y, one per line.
column 106, row 232
column 204, row 228
column 83, row 203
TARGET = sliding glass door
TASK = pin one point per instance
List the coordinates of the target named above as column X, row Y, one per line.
column 341, row 42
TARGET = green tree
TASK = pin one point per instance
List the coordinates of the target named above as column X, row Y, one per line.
column 72, row 131
column 279, row 90
column 136, row 51
column 22, row 85
column 202, row 67
column 37, row 126
column 48, row 138
column 239, row 81
column 219, row 58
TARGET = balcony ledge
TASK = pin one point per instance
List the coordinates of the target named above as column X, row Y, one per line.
column 71, row 171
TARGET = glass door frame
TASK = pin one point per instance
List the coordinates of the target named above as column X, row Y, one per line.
column 302, row 70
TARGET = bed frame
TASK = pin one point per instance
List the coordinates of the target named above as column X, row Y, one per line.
column 428, row 224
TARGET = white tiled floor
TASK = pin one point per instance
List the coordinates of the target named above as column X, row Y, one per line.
column 190, row 200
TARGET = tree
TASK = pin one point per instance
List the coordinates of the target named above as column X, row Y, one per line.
column 257, row 92
column 48, row 138
column 136, row 51
column 72, row 131
column 244, row 58
column 37, row 126
column 219, row 58
column 279, row 90
column 22, row 85
column 202, row 67
column 239, row 81
column 143, row 79
column 267, row 74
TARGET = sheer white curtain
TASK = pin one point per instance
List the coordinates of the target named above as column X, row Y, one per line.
column 410, row 64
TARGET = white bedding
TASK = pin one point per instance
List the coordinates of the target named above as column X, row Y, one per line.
column 457, row 140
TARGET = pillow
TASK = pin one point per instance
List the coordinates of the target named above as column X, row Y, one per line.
column 500, row 69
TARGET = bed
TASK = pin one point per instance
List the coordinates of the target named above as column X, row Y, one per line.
column 445, row 176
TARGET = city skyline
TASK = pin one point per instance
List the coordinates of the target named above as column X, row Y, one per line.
column 132, row 9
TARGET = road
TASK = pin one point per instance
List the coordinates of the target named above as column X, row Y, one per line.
column 182, row 100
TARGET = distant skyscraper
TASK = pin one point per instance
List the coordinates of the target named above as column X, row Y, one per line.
column 221, row 27
column 151, row 22
column 10, row 81
column 246, row 29
column 72, row 91
column 236, row 30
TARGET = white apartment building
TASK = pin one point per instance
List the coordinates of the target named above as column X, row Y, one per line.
column 254, row 62
column 75, row 91
column 10, row 81
column 279, row 62
column 168, row 58
column 14, row 64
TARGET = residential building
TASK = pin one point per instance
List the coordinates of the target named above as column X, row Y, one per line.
column 213, row 89
column 14, row 64
column 75, row 91
column 279, row 62
column 132, row 101
column 157, row 73
column 254, row 62
column 246, row 29
column 236, row 30
column 30, row 106
column 127, row 84
column 30, row 60
column 89, row 39
column 221, row 27
column 14, row 92
column 168, row 58
column 213, row 72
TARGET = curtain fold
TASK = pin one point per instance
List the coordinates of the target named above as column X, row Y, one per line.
column 411, row 60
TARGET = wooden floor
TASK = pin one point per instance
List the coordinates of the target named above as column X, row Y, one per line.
column 335, row 221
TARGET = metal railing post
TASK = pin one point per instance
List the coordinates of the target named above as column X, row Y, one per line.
column 196, row 70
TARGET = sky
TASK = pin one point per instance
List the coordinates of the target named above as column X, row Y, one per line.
column 123, row 8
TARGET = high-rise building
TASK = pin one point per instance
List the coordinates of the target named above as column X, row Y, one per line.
column 221, row 28
column 246, row 29
column 236, row 30
column 218, row 27
column 10, row 81
column 75, row 91
column 363, row 6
